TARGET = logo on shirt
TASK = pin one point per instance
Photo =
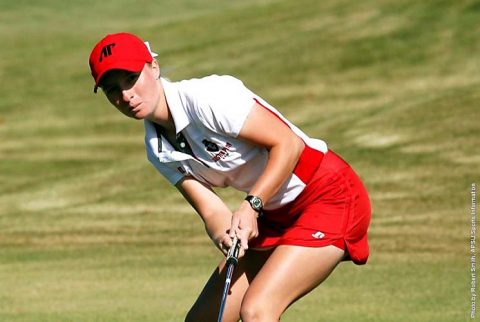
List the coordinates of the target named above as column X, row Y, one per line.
column 223, row 152
column 210, row 146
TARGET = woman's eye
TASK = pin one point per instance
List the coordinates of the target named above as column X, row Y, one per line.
column 110, row 90
column 132, row 78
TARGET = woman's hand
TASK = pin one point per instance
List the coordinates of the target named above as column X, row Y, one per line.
column 244, row 225
column 223, row 243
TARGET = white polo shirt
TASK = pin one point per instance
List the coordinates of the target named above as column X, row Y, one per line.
column 209, row 113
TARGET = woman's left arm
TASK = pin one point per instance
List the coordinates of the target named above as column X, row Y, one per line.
column 263, row 128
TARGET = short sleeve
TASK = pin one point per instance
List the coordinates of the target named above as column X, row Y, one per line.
column 224, row 104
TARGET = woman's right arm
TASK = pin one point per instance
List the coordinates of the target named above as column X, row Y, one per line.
column 213, row 211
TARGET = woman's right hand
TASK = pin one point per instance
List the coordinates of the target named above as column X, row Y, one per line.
column 224, row 243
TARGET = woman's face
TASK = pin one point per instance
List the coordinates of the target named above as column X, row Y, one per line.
column 134, row 94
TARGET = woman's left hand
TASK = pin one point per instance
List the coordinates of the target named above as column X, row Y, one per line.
column 244, row 224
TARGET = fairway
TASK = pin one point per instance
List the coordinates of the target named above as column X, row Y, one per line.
column 89, row 231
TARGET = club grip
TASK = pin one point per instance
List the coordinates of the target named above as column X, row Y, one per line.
column 232, row 255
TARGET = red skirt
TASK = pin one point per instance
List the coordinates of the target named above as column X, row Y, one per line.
column 333, row 209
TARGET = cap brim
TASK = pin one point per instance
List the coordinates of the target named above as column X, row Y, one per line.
column 130, row 66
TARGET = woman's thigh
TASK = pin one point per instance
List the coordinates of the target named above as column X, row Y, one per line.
column 207, row 305
column 288, row 274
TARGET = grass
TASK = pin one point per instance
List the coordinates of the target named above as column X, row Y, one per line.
column 90, row 232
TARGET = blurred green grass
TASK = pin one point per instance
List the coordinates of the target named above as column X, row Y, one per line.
column 90, row 232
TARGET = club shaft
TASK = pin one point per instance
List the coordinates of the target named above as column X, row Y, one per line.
column 225, row 291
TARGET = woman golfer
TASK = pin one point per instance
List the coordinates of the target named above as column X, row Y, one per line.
column 305, row 209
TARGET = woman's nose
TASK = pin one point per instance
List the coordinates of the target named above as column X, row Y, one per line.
column 127, row 95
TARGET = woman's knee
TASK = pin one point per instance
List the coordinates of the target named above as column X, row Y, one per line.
column 252, row 311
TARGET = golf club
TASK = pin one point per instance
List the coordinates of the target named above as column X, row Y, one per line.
column 231, row 262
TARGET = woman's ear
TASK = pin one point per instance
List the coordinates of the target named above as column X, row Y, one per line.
column 156, row 69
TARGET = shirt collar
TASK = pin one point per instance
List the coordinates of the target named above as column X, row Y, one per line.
column 175, row 104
